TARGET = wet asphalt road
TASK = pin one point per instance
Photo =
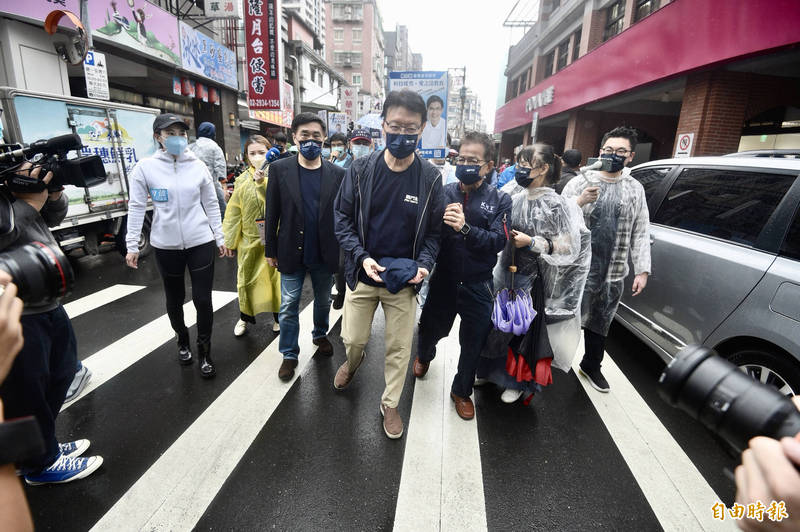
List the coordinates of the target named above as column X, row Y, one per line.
column 321, row 461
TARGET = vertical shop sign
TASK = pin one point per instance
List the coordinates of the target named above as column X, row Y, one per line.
column 262, row 37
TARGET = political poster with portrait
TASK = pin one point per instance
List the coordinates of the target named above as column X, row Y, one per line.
column 432, row 86
column 337, row 123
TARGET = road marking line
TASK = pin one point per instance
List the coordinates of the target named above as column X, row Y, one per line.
column 678, row 494
column 174, row 493
column 117, row 357
column 442, row 459
column 98, row 299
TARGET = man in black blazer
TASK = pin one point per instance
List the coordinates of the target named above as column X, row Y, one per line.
column 300, row 237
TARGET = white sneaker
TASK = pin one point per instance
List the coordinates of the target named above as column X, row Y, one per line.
column 480, row 382
column 276, row 327
column 240, row 328
column 511, row 396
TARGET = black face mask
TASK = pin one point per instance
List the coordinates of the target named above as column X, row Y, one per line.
column 523, row 176
column 617, row 161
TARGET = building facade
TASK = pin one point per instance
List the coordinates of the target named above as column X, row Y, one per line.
column 311, row 12
column 140, row 71
column 355, row 48
column 726, row 76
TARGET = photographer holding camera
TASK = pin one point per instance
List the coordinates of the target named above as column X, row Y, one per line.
column 43, row 371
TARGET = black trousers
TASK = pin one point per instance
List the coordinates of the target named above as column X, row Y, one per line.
column 595, row 345
column 40, row 377
column 473, row 302
column 172, row 264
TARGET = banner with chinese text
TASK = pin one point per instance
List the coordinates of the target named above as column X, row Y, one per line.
column 262, row 20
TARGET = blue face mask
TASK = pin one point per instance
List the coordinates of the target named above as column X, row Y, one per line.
column 359, row 150
column 401, row 146
column 326, row 152
column 617, row 161
column 469, row 173
column 310, row 149
column 175, row 144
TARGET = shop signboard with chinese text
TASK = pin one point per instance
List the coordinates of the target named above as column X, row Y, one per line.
column 222, row 8
column 283, row 117
column 432, row 86
column 349, row 98
column 263, row 62
column 206, row 57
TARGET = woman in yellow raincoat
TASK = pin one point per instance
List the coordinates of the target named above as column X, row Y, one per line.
column 259, row 284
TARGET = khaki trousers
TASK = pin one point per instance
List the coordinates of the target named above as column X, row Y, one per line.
column 401, row 313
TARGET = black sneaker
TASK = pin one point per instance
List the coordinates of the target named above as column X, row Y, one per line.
column 596, row 379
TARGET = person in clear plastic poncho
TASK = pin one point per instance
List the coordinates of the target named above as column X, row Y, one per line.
column 258, row 283
column 615, row 210
column 550, row 250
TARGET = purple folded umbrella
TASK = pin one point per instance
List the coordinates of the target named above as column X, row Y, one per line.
column 513, row 312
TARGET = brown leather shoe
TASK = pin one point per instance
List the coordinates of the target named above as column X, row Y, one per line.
column 324, row 346
column 344, row 375
column 392, row 424
column 420, row 368
column 464, row 407
column 286, row 371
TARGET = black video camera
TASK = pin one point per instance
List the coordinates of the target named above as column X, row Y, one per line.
column 51, row 155
column 726, row 400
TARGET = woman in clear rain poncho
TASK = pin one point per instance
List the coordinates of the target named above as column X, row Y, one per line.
column 259, row 284
column 549, row 248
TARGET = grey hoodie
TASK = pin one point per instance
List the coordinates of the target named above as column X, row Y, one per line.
column 185, row 209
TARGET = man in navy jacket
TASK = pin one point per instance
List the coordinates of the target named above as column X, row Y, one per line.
column 389, row 210
column 473, row 233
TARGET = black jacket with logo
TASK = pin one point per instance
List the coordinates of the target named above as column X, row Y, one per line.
column 353, row 205
column 471, row 258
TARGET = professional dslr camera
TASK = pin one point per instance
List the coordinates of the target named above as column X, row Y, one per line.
column 41, row 271
column 726, row 400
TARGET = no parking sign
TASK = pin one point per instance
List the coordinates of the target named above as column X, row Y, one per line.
column 683, row 147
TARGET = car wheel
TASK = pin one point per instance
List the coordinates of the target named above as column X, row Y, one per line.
column 769, row 368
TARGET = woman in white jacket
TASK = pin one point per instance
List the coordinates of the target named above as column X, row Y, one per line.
column 186, row 230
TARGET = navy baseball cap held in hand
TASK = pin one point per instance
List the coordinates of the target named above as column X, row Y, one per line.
column 164, row 120
column 398, row 272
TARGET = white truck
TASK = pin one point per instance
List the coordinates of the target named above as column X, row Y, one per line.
column 119, row 134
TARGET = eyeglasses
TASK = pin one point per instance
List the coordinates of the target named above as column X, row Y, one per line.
column 400, row 128
column 622, row 152
column 469, row 160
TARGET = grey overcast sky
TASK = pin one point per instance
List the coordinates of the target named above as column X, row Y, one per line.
column 456, row 33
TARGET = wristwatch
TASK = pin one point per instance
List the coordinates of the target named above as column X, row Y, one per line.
column 465, row 229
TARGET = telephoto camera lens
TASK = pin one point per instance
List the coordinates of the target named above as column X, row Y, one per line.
column 42, row 273
column 725, row 399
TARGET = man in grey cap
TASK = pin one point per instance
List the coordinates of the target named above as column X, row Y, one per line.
column 212, row 155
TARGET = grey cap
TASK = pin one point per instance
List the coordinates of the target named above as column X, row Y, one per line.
column 164, row 120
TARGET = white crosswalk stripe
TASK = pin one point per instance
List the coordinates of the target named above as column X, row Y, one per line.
column 100, row 298
column 677, row 492
column 442, row 461
column 118, row 356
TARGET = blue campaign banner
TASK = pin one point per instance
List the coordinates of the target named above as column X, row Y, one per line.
column 432, row 86
column 206, row 57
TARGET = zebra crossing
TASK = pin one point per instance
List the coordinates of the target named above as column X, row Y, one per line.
column 246, row 451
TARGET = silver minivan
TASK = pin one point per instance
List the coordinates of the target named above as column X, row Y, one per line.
column 725, row 242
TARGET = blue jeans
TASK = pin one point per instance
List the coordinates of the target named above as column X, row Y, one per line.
column 291, row 290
